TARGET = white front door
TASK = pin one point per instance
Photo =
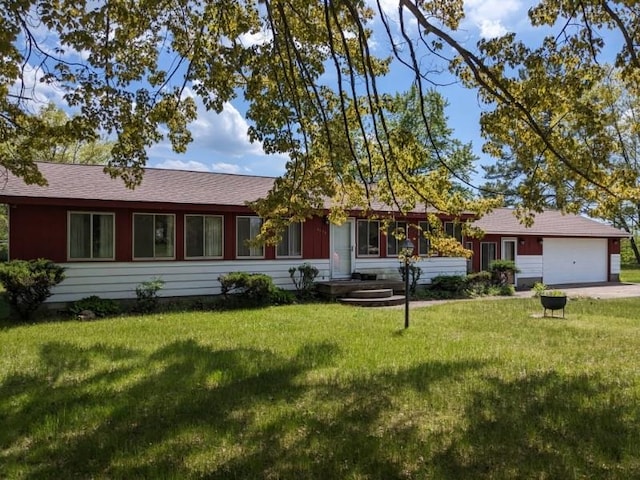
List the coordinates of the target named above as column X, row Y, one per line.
column 342, row 249
column 508, row 252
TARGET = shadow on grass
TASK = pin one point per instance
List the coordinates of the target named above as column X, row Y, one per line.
column 187, row 411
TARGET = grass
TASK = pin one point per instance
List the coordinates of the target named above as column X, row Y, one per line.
column 630, row 274
column 475, row 389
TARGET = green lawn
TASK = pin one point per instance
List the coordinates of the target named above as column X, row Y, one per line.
column 475, row 389
column 630, row 274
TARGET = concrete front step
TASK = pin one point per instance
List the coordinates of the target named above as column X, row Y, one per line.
column 377, row 293
column 373, row 302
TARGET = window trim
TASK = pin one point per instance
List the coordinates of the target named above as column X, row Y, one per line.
column 454, row 224
column 248, row 257
column 301, row 242
column 495, row 247
column 91, row 213
column 392, row 227
column 203, row 257
column 133, row 237
column 367, row 255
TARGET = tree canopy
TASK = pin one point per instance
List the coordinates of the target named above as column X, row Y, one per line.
column 312, row 84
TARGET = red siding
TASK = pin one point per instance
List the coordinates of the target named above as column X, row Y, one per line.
column 38, row 232
column 315, row 239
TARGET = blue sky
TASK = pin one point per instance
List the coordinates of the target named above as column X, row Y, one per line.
column 221, row 144
column 220, row 140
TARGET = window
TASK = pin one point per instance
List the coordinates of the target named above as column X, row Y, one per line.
column 394, row 245
column 368, row 238
column 469, row 246
column 203, row 236
column 153, row 236
column 248, row 228
column 291, row 243
column 487, row 254
column 423, row 243
column 91, row 236
column 454, row 230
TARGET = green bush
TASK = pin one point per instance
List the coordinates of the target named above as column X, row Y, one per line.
column 28, row 283
column 147, row 295
column 415, row 272
column 242, row 289
column 503, row 271
column 303, row 278
column 282, row 297
column 453, row 285
column 251, row 285
column 102, row 307
column 479, row 283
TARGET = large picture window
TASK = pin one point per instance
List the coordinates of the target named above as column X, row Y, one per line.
column 291, row 243
column 394, row 243
column 368, row 238
column 247, row 229
column 91, row 236
column 153, row 236
column 203, row 236
column 487, row 254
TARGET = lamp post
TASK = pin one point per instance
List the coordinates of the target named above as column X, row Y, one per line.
column 407, row 248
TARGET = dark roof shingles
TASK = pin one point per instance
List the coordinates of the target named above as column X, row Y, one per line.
column 89, row 182
column 548, row 223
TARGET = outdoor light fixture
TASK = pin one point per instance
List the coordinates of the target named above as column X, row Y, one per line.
column 407, row 250
column 521, row 241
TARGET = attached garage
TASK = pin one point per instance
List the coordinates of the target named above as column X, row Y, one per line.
column 557, row 249
column 574, row 260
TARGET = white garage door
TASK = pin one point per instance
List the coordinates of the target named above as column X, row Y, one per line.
column 574, row 260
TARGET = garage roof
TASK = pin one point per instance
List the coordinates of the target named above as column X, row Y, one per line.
column 549, row 223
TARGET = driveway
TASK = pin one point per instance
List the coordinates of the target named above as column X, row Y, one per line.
column 603, row 290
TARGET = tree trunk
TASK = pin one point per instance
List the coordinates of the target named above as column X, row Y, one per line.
column 634, row 247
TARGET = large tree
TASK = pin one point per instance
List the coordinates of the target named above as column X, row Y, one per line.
column 313, row 87
column 65, row 146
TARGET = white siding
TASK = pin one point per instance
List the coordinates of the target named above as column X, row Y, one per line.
column 530, row 266
column 387, row 268
column 615, row 264
column 118, row 280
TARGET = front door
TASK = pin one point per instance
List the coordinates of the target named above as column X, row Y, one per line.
column 509, row 253
column 342, row 249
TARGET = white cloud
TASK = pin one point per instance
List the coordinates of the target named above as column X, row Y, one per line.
column 224, row 133
column 229, row 168
column 34, row 91
column 491, row 17
column 183, row 165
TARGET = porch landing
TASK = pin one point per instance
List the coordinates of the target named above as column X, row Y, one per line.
column 341, row 288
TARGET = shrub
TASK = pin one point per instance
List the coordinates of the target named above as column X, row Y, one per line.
column 28, row 283
column 415, row 273
column 503, row 271
column 251, row 285
column 281, row 297
column 454, row 285
column 147, row 295
column 479, row 283
column 303, row 278
column 242, row 289
column 538, row 289
column 102, row 307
